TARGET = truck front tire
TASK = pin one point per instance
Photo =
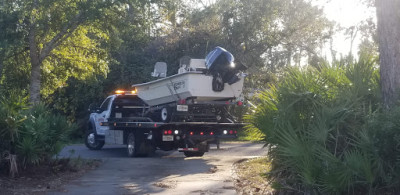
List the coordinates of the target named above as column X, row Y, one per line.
column 91, row 142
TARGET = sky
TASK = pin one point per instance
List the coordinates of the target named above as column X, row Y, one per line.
column 347, row 13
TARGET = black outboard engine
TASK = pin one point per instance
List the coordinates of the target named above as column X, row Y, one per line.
column 220, row 64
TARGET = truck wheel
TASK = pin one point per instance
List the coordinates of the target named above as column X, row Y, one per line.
column 166, row 113
column 91, row 142
column 132, row 145
column 193, row 154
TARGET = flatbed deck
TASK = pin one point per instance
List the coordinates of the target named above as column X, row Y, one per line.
column 148, row 124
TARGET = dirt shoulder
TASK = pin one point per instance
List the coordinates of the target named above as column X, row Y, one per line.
column 50, row 176
column 250, row 176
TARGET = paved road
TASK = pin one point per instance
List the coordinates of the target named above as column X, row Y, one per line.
column 162, row 173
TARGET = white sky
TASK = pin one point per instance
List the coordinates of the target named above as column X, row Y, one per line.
column 346, row 13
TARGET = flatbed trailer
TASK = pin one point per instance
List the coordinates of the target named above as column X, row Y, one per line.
column 143, row 136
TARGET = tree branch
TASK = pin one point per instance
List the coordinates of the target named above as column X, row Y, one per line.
column 65, row 32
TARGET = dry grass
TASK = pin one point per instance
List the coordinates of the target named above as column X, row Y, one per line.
column 41, row 179
column 251, row 176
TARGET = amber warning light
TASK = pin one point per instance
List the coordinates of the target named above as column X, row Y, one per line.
column 133, row 92
column 119, row 92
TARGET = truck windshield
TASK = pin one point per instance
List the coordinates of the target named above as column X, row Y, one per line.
column 104, row 105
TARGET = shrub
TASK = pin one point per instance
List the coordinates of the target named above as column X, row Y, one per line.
column 44, row 135
column 326, row 132
column 11, row 118
column 33, row 134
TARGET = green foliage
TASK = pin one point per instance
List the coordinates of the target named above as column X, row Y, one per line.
column 11, row 118
column 73, row 101
column 114, row 44
column 44, row 135
column 34, row 134
column 80, row 57
column 326, row 132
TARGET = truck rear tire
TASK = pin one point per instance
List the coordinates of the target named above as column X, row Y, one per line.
column 137, row 145
column 91, row 142
column 131, row 143
column 193, row 154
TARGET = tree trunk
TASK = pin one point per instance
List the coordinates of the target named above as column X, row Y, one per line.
column 34, row 87
column 389, row 47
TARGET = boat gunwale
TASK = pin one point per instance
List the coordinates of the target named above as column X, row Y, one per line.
column 166, row 78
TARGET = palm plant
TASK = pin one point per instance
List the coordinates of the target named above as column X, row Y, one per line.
column 10, row 115
column 45, row 134
column 317, row 124
column 33, row 134
column 11, row 120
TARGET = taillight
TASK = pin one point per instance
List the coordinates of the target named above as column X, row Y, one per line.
column 239, row 103
column 191, row 133
column 167, row 132
column 230, row 132
column 201, row 133
column 211, row 133
column 182, row 101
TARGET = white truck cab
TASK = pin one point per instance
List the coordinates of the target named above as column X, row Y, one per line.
column 97, row 134
column 102, row 114
column 94, row 137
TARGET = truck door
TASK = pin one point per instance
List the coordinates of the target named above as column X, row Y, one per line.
column 103, row 116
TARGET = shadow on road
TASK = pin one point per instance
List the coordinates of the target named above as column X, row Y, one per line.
column 156, row 174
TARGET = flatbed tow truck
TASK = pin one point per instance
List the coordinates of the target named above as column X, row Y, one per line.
column 124, row 119
column 186, row 111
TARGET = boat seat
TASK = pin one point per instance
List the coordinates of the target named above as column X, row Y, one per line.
column 160, row 70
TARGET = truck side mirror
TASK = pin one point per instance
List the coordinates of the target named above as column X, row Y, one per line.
column 99, row 110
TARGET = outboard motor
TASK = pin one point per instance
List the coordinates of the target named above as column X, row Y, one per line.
column 220, row 64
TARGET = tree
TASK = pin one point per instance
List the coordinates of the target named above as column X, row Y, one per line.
column 129, row 60
column 10, row 36
column 389, row 48
column 266, row 34
column 41, row 39
column 49, row 24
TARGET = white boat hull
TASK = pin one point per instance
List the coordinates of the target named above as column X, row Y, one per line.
column 185, row 85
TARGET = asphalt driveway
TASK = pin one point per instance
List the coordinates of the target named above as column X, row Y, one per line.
column 163, row 173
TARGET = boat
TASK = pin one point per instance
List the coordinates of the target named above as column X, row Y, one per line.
column 214, row 78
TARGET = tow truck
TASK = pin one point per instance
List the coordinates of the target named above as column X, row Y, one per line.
column 123, row 118
column 185, row 111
